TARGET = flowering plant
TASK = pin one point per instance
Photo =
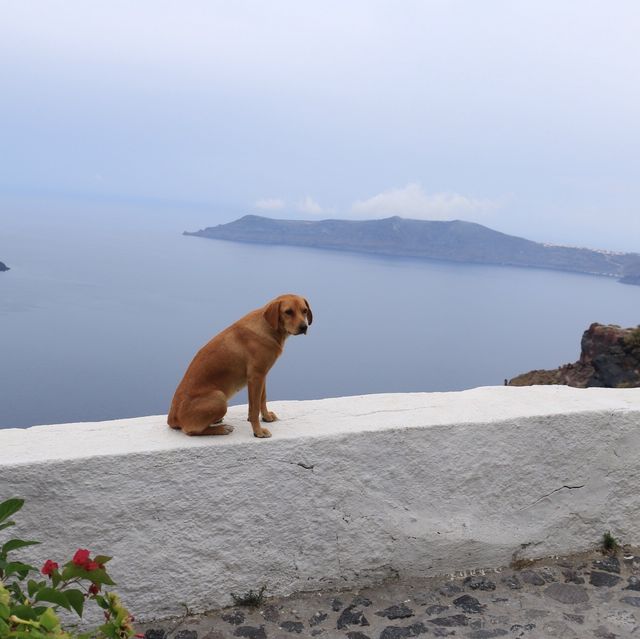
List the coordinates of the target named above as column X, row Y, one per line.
column 29, row 604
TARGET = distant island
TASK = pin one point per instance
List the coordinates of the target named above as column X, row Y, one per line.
column 609, row 358
column 3, row 267
column 454, row 241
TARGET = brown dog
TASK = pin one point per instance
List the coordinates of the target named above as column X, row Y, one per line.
column 239, row 356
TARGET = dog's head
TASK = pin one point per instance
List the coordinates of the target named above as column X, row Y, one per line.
column 290, row 314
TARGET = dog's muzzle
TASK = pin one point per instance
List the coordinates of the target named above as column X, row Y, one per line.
column 302, row 329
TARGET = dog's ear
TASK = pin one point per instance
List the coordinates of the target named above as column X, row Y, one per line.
column 272, row 315
column 309, row 313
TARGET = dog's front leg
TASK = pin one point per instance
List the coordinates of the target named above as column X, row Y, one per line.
column 267, row 415
column 255, row 387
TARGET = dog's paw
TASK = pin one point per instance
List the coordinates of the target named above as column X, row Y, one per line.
column 269, row 417
column 263, row 433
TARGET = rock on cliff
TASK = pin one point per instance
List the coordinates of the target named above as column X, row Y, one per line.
column 3, row 267
column 610, row 358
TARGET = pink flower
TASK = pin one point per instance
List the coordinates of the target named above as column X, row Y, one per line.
column 91, row 565
column 49, row 567
column 81, row 557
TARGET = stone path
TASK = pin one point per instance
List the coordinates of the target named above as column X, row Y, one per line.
column 588, row 595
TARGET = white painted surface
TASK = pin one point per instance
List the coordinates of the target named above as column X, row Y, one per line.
column 348, row 492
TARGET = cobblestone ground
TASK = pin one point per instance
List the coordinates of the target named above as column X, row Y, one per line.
column 588, row 595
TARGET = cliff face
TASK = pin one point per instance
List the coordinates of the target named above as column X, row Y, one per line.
column 3, row 267
column 632, row 274
column 610, row 358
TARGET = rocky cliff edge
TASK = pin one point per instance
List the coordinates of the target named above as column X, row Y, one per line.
column 610, row 358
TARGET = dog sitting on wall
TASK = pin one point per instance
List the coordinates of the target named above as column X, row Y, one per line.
column 241, row 355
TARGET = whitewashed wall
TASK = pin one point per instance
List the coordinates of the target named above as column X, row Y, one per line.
column 348, row 492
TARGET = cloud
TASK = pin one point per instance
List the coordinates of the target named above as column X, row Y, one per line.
column 310, row 206
column 269, row 204
column 411, row 201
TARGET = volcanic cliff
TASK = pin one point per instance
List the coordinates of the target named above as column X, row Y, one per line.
column 610, row 358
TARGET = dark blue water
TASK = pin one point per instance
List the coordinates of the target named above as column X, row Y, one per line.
column 106, row 304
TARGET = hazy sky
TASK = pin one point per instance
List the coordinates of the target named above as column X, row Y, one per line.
column 522, row 115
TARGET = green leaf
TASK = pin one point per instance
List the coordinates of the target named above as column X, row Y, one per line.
column 76, row 599
column 4, row 611
column 7, row 524
column 100, row 576
column 102, row 559
column 49, row 620
column 71, row 571
column 109, row 630
column 15, row 589
column 53, row 596
column 9, row 507
column 22, row 570
column 55, row 579
column 14, row 544
column 25, row 612
column 33, row 586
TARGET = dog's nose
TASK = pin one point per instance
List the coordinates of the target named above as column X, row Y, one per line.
column 302, row 329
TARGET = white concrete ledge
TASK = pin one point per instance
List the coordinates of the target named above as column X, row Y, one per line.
column 348, row 492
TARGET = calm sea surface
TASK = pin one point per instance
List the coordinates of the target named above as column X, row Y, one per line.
column 106, row 305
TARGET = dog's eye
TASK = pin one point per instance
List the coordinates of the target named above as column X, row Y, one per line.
column 304, row 311
column 288, row 312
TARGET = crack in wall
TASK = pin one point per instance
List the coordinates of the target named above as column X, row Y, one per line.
column 388, row 410
column 301, row 464
column 564, row 487
column 335, row 509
